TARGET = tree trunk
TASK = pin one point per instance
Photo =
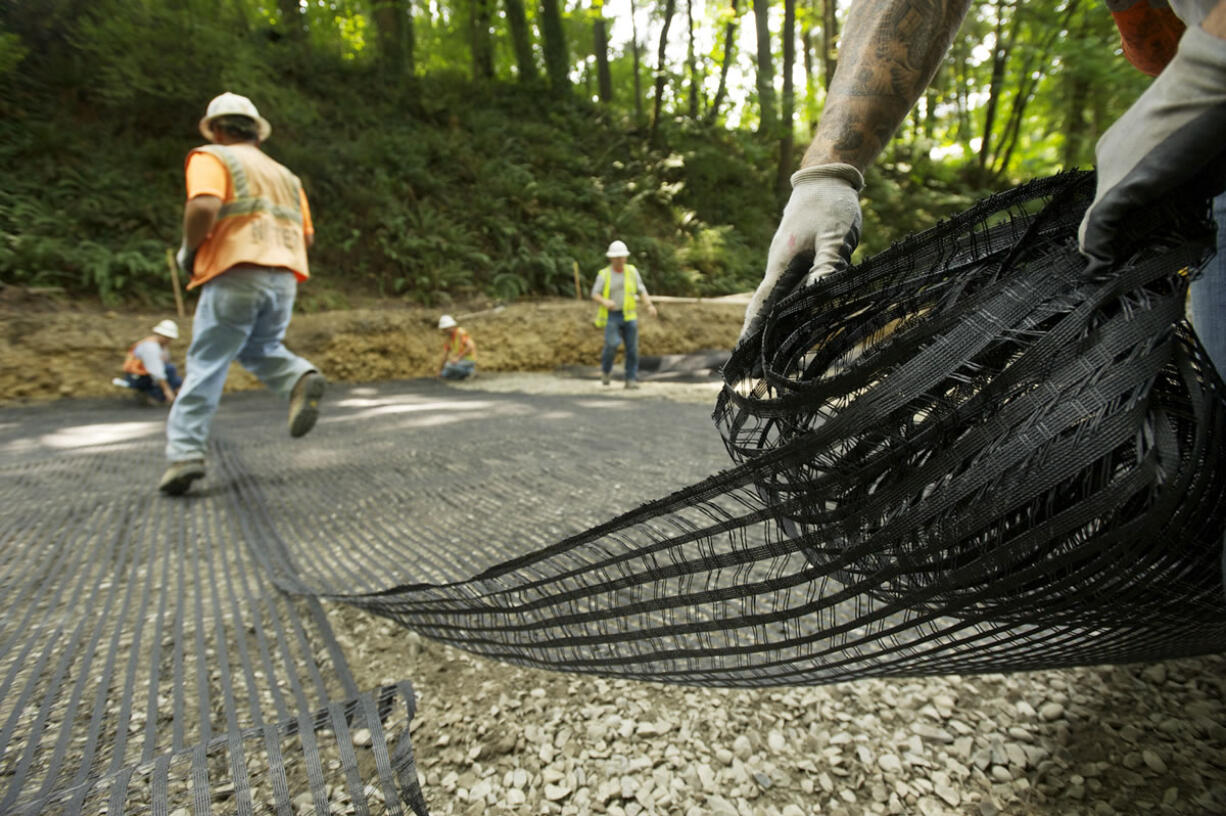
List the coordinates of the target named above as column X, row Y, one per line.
column 389, row 16
column 600, row 43
column 480, row 18
column 962, row 97
column 690, row 62
column 725, row 64
column 557, row 63
column 830, row 38
column 1000, row 55
column 521, row 40
column 291, row 18
column 766, row 70
column 670, row 7
column 1076, row 125
column 786, row 126
column 1035, row 58
column 638, row 83
column 930, row 107
column 806, row 50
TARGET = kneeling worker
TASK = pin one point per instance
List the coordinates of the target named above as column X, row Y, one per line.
column 459, row 351
column 147, row 368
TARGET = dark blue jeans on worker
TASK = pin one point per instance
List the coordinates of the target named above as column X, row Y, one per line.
column 617, row 331
column 145, row 384
column 1207, row 296
column 459, row 371
column 1207, row 309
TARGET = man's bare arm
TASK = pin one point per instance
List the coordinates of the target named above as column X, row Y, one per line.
column 888, row 53
column 199, row 216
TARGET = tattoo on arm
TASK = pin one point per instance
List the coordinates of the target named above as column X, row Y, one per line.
column 889, row 52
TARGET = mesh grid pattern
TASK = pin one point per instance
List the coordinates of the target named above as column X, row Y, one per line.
column 965, row 455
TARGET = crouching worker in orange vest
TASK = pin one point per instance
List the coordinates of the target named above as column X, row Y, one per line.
column 246, row 229
column 459, row 351
column 147, row 368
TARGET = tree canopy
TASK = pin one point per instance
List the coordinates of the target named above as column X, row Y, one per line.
column 456, row 148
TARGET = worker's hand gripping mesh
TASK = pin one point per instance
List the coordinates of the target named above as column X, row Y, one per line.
column 971, row 424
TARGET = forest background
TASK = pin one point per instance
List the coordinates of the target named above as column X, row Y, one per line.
column 481, row 148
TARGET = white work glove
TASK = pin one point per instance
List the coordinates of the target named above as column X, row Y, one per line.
column 1173, row 137
column 822, row 214
column 186, row 259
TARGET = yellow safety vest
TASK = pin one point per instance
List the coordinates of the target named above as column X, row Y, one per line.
column 261, row 224
column 628, row 305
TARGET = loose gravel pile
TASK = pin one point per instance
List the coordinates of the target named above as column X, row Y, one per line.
column 1108, row 740
column 492, row 738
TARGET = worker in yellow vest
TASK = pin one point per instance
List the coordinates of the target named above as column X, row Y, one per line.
column 246, row 229
column 459, row 351
column 147, row 368
column 616, row 290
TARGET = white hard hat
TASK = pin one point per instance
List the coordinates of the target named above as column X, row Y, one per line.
column 446, row 322
column 232, row 104
column 167, row 328
column 617, row 250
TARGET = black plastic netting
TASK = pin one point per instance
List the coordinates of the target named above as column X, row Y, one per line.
column 965, row 455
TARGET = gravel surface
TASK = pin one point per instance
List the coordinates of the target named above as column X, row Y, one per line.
column 492, row 738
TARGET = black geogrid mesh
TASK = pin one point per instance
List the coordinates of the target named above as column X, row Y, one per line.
column 965, row 455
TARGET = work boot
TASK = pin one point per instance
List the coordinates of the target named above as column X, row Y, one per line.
column 632, row 384
column 605, row 379
column 180, row 475
column 304, row 403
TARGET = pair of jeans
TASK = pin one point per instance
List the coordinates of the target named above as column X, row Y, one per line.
column 459, row 371
column 242, row 315
column 617, row 330
column 145, row 384
column 1207, row 308
column 1207, row 296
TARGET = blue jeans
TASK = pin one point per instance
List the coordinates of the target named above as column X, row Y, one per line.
column 1207, row 308
column 617, row 330
column 145, row 384
column 459, row 371
column 242, row 315
column 1207, row 296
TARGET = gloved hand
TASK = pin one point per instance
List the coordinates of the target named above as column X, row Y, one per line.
column 1174, row 136
column 186, row 259
column 823, row 213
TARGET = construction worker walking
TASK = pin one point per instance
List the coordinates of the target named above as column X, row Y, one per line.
column 246, row 230
column 616, row 290
column 147, row 368
column 459, row 351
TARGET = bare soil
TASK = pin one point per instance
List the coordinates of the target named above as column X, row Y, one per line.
column 51, row 349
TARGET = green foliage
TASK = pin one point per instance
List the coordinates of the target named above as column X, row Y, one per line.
column 427, row 186
column 12, row 52
column 912, row 192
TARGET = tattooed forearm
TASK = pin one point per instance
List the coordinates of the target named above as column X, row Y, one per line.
column 889, row 52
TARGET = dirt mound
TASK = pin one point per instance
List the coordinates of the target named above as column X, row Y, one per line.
column 47, row 354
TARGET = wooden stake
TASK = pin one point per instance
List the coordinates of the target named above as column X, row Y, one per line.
column 174, row 280
column 578, row 288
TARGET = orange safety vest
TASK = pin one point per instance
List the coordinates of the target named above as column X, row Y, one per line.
column 455, row 342
column 261, row 223
column 1149, row 32
column 133, row 364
